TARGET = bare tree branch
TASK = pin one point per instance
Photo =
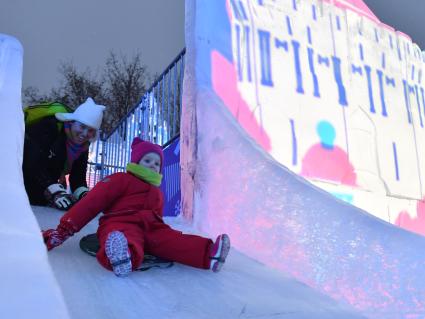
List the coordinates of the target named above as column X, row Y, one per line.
column 120, row 87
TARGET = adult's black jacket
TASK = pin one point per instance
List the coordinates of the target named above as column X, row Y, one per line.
column 45, row 158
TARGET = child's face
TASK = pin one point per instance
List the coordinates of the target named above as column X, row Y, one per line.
column 151, row 161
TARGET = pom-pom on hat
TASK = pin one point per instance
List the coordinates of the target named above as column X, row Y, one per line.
column 88, row 113
column 139, row 148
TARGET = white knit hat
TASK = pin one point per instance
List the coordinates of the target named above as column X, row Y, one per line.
column 88, row 113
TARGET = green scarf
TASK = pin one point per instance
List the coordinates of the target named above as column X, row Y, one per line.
column 144, row 173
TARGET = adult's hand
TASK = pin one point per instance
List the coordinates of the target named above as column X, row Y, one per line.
column 58, row 197
column 80, row 192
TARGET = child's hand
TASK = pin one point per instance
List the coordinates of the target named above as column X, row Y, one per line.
column 55, row 237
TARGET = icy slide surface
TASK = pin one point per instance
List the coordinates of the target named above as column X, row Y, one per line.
column 257, row 86
column 243, row 289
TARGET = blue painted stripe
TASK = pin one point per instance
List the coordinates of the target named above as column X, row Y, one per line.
column 399, row 52
column 397, row 174
column 323, row 60
column 248, row 52
column 356, row 69
column 297, row 64
column 238, row 52
column 390, row 81
column 309, row 35
column 368, row 70
column 423, row 99
column 419, row 105
column 235, row 10
column 406, row 101
column 316, row 92
column 342, row 96
column 294, row 143
column 265, row 58
column 382, row 92
column 281, row 44
column 361, row 52
column 243, row 11
column 288, row 25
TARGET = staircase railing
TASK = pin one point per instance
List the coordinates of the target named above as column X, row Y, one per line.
column 155, row 118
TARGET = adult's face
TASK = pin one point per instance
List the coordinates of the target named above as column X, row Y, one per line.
column 81, row 133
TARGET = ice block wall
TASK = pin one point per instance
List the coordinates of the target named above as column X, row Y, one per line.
column 28, row 288
column 301, row 126
column 328, row 91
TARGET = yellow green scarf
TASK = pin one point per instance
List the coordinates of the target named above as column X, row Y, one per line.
column 144, row 173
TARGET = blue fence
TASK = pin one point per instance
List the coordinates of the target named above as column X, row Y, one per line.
column 171, row 178
column 156, row 118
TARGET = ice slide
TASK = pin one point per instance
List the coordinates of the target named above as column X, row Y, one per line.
column 260, row 87
column 271, row 213
column 66, row 283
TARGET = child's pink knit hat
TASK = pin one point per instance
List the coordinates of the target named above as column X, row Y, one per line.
column 139, row 148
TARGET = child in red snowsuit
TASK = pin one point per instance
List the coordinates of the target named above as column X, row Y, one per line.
column 132, row 223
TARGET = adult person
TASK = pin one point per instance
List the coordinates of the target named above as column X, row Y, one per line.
column 53, row 149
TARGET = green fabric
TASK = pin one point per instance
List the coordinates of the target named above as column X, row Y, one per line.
column 144, row 173
column 35, row 113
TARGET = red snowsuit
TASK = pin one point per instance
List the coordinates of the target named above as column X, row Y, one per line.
column 134, row 207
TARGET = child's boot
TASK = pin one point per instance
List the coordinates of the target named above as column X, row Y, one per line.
column 116, row 249
column 219, row 251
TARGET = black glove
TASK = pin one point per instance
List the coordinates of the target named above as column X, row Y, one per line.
column 58, row 197
column 80, row 192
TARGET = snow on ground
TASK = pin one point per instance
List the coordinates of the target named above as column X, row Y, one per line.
column 244, row 288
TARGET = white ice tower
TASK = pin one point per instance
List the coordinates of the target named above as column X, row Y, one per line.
column 28, row 288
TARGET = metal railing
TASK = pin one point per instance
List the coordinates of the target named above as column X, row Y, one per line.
column 156, row 118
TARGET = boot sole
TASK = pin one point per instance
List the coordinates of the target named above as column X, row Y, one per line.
column 224, row 251
column 116, row 249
